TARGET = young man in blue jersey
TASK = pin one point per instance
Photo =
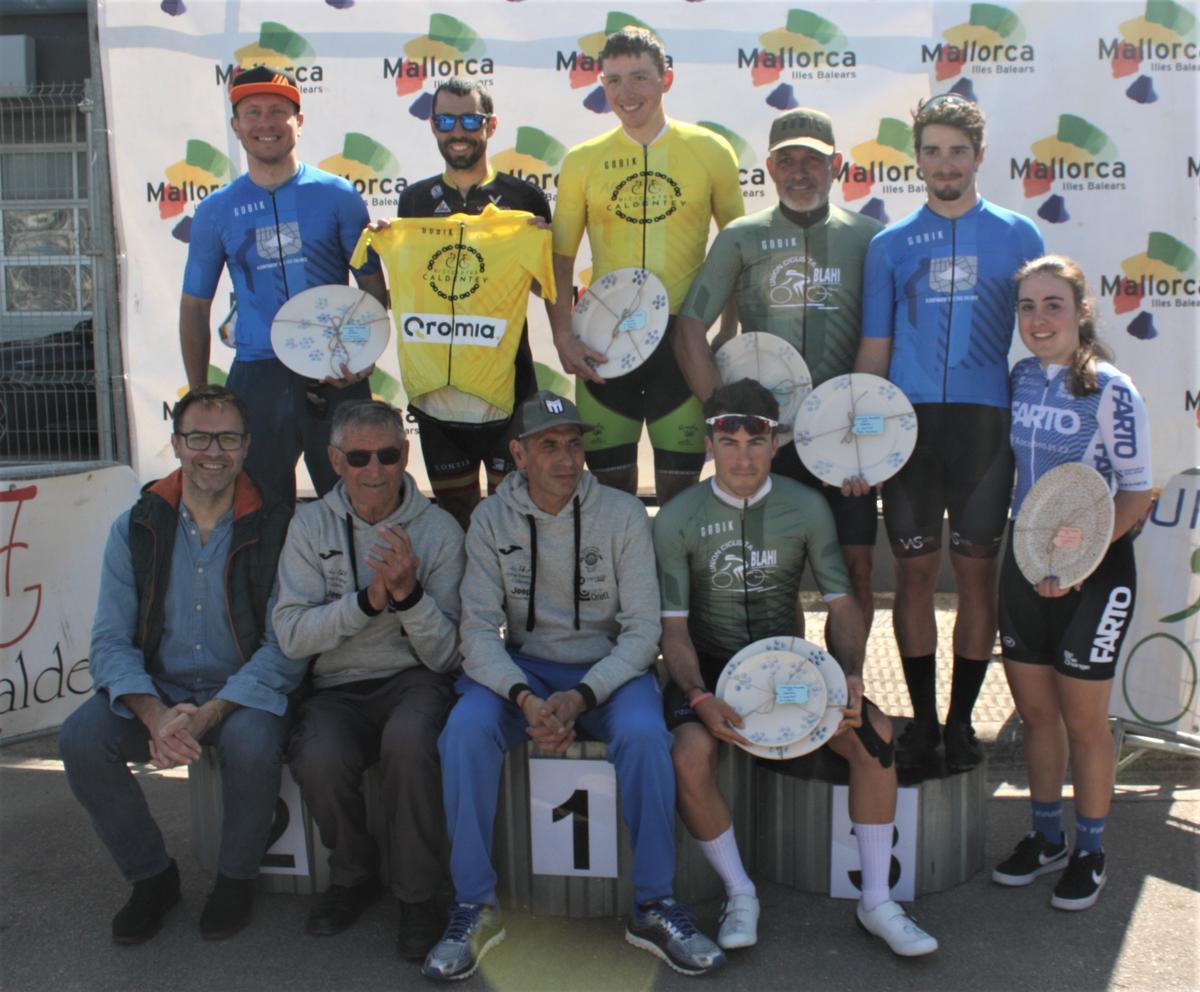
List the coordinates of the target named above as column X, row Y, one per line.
column 280, row 228
column 938, row 314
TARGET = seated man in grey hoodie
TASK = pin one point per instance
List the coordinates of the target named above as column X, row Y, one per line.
column 368, row 584
column 566, row 567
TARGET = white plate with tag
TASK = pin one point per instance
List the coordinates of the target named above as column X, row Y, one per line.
column 771, row 361
column 1065, row 525
column 623, row 315
column 855, row 425
column 749, row 684
column 319, row 330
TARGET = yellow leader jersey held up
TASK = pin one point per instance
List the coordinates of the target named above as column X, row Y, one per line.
column 459, row 286
column 647, row 205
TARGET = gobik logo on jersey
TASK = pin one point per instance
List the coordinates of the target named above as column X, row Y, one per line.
column 451, row 48
column 1163, row 39
column 1163, row 276
column 751, row 175
column 582, row 64
column 201, row 170
column 278, row 47
column 990, row 42
column 535, row 158
column 1079, row 157
column 737, row 566
column 371, row 167
column 805, row 48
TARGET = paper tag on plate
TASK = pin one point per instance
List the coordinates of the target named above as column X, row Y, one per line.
column 356, row 333
column 634, row 322
column 868, row 423
column 1068, row 537
column 795, row 694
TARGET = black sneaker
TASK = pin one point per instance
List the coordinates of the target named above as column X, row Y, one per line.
column 1080, row 887
column 421, row 925
column 963, row 750
column 1033, row 856
column 917, row 744
column 340, row 905
column 228, row 908
column 139, row 919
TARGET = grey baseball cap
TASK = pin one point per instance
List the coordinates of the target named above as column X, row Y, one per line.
column 544, row 410
column 803, row 126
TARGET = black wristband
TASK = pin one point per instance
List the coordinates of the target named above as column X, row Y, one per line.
column 364, row 604
column 588, row 694
column 408, row 602
column 516, row 691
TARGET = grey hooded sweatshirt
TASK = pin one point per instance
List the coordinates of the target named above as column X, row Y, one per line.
column 318, row 611
column 577, row 587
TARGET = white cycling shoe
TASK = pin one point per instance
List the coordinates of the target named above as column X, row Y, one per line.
column 897, row 929
column 739, row 922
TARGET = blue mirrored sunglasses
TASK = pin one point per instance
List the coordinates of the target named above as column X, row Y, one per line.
column 470, row 122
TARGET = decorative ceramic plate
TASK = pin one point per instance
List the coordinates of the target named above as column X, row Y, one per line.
column 318, row 331
column 772, row 361
column 623, row 315
column 855, row 425
column 1065, row 525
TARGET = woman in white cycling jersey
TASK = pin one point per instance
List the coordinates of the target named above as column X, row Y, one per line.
column 1069, row 403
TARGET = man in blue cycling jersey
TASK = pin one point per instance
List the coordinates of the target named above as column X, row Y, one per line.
column 938, row 312
column 279, row 228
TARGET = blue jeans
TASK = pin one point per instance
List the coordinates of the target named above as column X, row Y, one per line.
column 483, row 726
column 95, row 745
column 284, row 422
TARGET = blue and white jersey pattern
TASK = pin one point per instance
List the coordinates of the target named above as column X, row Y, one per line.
column 1109, row 429
column 943, row 290
column 275, row 244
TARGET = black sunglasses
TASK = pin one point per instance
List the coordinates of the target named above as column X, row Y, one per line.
column 358, row 458
column 470, row 122
column 731, row 423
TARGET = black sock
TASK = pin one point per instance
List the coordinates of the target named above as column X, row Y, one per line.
column 920, row 675
column 964, row 688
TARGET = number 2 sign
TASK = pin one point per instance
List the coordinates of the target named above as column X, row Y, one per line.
column 573, row 817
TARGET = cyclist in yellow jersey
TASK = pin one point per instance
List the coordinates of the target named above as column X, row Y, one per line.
column 646, row 194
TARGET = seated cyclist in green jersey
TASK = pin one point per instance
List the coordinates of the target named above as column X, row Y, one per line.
column 646, row 193
column 794, row 271
column 745, row 515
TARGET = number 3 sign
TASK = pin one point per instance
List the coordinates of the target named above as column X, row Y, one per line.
column 573, row 817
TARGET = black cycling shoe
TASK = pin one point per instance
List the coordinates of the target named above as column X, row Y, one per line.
column 963, row 750
column 917, row 744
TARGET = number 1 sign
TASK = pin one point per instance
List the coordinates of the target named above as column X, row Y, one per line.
column 573, row 817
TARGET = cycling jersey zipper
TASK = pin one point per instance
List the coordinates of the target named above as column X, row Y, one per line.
column 645, row 197
column 454, row 302
column 950, row 317
column 279, row 246
column 804, row 297
column 745, row 569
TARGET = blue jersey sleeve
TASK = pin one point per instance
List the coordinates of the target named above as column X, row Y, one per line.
column 878, row 291
column 206, row 256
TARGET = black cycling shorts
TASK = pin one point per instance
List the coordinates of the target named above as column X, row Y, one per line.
column 454, row 452
column 963, row 464
column 856, row 517
column 1080, row 634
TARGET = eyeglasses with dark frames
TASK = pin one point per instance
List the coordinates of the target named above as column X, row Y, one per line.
column 202, row 440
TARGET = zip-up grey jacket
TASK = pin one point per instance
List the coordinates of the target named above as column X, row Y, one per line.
column 318, row 613
column 588, row 597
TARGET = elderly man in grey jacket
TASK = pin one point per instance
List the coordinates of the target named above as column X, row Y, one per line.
column 369, row 585
column 566, row 567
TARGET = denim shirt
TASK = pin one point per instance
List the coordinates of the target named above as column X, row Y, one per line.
column 198, row 659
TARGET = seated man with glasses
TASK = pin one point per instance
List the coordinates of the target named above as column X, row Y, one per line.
column 731, row 552
column 368, row 587
column 183, row 654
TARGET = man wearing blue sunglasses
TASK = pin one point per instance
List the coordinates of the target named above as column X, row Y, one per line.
column 459, row 430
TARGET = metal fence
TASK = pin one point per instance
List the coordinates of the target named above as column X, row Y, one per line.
column 58, row 390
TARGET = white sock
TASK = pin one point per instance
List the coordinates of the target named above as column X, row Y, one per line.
column 875, row 858
column 722, row 854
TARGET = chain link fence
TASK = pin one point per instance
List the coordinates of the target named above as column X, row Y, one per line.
column 56, row 388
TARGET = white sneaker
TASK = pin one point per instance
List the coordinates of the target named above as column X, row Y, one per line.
column 739, row 922
column 897, row 929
